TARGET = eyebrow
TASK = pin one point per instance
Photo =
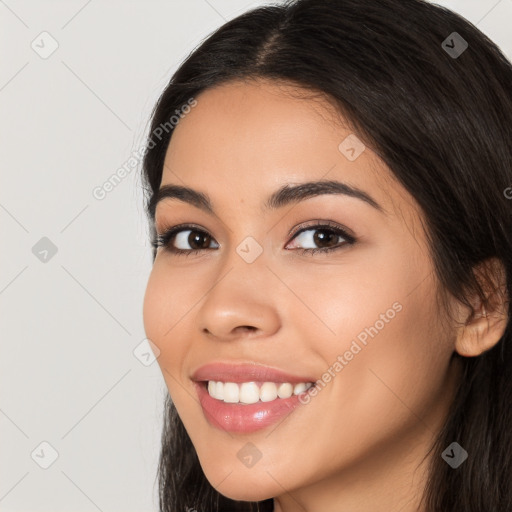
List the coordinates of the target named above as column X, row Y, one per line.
column 284, row 196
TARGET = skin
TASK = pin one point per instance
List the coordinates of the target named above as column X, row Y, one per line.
column 359, row 443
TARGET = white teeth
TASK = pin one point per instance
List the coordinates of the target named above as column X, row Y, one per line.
column 231, row 392
column 250, row 392
column 219, row 390
column 285, row 390
column 299, row 388
column 268, row 392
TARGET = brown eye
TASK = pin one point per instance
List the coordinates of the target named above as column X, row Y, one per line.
column 325, row 238
column 198, row 240
column 184, row 240
column 322, row 238
column 191, row 239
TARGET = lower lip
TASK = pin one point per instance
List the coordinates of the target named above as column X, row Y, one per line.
column 244, row 418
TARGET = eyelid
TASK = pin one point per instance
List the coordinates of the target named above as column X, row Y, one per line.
column 182, row 226
column 319, row 223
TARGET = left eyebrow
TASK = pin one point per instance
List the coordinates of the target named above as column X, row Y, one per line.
column 285, row 195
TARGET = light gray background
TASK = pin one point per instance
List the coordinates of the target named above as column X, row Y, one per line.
column 70, row 325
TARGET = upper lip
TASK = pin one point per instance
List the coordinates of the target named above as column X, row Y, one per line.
column 246, row 372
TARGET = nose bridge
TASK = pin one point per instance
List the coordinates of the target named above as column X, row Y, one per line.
column 246, row 262
column 248, row 249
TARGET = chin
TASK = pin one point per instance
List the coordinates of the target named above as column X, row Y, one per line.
column 244, row 487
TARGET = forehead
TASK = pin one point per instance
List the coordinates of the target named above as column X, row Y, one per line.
column 244, row 140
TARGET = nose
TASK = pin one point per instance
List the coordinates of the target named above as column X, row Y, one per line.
column 238, row 302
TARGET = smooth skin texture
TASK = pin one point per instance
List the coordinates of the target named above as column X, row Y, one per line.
column 358, row 444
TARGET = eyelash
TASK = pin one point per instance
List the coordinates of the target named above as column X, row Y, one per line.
column 164, row 239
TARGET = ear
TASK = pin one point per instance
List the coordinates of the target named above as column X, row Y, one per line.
column 483, row 330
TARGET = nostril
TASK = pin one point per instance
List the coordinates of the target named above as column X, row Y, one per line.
column 248, row 327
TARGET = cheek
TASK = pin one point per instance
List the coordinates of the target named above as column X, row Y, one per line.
column 380, row 319
column 164, row 306
column 153, row 307
column 167, row 302
column 170, row 302
column 397, row 373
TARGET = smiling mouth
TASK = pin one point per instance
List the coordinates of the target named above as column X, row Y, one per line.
column 246, row 393
column 249, row 406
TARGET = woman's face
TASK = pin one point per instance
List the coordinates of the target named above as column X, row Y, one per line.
column 361, row 320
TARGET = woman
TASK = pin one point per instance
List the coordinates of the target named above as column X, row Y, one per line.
column 332, row 232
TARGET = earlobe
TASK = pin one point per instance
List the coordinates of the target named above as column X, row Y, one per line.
column 484, row 329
